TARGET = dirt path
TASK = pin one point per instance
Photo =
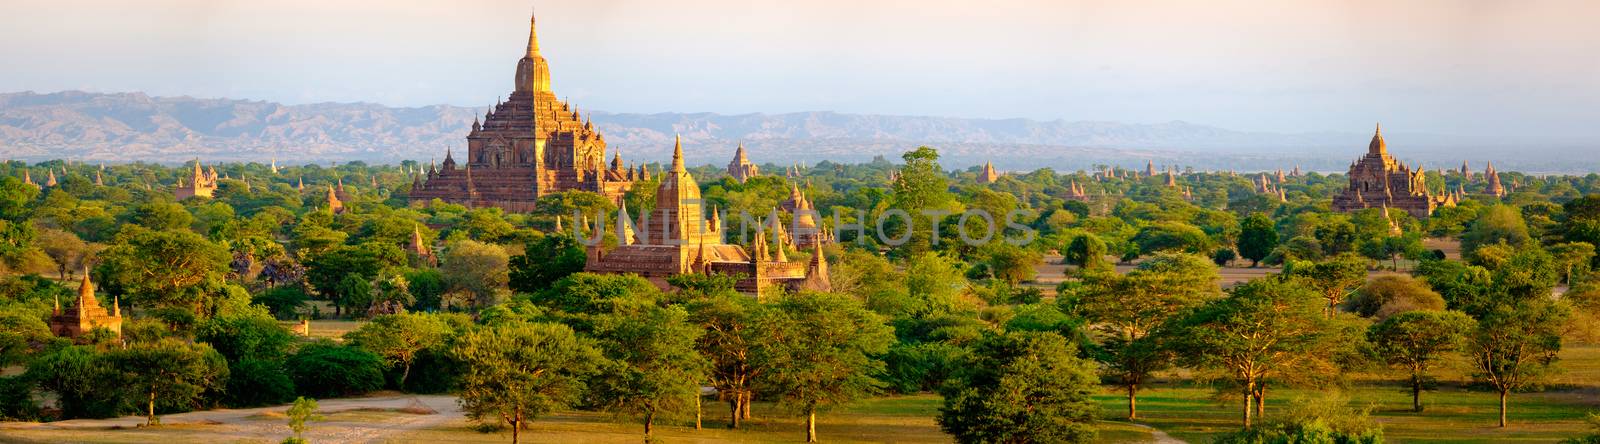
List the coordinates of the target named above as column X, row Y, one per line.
column 1159, row 437
column 347, row 420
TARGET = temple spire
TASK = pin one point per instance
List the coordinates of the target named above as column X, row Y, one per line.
column 533, row 73
column 1377, row 146
column 677, row 154
column 86, row 292
column 533, row 36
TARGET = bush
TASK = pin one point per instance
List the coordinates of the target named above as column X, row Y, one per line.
column 1326, row 420
column 435, row 371
column 327, row 370
column 16, row 400
column 1388, row 295
column 246, row 337
column 1223, row 256
column 258, row 382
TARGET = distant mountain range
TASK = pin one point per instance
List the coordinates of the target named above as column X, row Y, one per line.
column 136, row 127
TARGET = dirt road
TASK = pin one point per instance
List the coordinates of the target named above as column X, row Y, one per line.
column 347, row 420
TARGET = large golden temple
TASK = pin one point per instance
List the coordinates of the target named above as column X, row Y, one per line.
column 530, row 145
column 1377, row 180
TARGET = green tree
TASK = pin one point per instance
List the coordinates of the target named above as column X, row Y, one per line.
column 303, row 411
column 1390, row 294
column 176, row 371
column 1516, row 344
column 1172, row 236
column 582, row 300
column 1414, row 341
column 1021, row 387
column 159, row 269
column 16, row 198
column 1262, row 328
column 66, row 249
column 731, row 334
column 820, row 352
column 545, row 261
column 78, row 376
column 1464, row 287
column 333, row 272
column 1087, row 252
column 1496, row 224
column 477, row 268
column 933, row 284
column 653, row 365
column 1257, row 238
column 399, row 338
column 1572, row 257
column 921, row 186
column 354, row 294
column 1334, row 278
column 1131, row 314
column 1011, row 263
column 922, row 183
column 162, row 216
column 519, row 371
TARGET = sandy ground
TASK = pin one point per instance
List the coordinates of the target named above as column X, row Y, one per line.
column 347, row 420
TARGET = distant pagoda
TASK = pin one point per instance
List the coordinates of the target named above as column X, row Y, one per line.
column 200, row 184
column 740, row 167
column 988, row 174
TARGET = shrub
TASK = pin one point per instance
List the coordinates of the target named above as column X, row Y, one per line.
column 326, row 370
column 1223, row 256
column 1388, row 295
column 242, row 337
column 257, row 382
column 1325, row 420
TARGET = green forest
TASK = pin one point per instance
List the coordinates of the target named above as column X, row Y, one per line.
column 1203, row 309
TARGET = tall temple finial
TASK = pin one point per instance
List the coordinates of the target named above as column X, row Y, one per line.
column 533, row 35
column 677, row 153
column 1377, row 146
column 85, row 291
column 533, row 73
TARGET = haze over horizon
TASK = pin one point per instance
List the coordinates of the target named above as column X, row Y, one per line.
column 1503, row 71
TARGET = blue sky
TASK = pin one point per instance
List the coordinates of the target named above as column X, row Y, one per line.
column 1496, row 69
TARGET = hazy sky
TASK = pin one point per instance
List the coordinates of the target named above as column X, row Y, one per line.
column 1494, row 69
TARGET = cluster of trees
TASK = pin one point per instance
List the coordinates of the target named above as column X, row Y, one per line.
column 493, row 306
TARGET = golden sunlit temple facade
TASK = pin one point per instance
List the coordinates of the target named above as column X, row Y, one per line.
column 1377, row 180
column 529, row 146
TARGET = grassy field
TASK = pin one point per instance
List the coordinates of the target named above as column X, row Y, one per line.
column 1456, row 412
column 889, row 419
